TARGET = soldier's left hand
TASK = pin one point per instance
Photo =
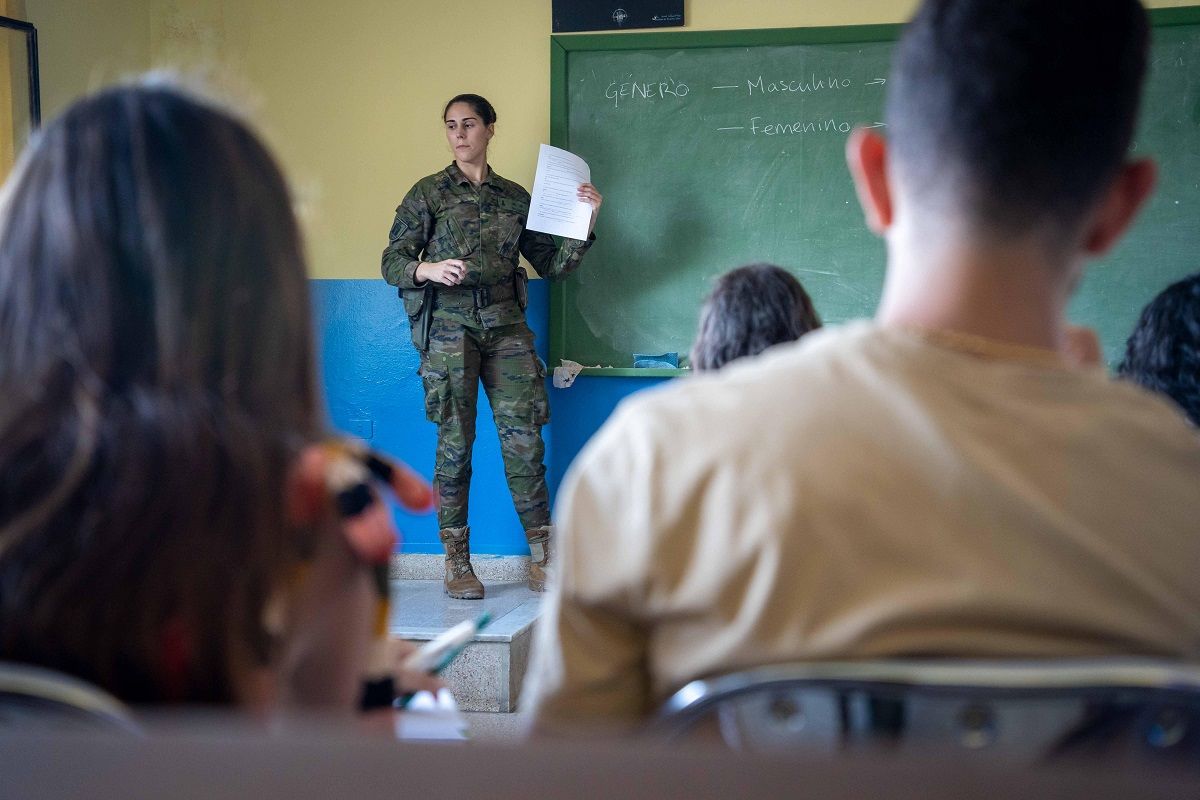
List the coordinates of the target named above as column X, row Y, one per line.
column 590, row 195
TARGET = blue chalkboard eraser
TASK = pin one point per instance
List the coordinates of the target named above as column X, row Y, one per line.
column 661, row 360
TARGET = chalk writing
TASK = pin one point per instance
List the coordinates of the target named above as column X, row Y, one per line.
column 814, row 84
column 758, row 127
column 630, row 90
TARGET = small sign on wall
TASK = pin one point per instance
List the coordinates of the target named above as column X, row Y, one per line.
column 607, row 15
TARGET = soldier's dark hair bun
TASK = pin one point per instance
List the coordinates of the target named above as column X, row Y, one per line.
column 480, row 104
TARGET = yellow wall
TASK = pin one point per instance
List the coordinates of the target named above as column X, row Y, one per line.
column 83, row 44
column 13, row 121
column 350, row 93
column 8, row 135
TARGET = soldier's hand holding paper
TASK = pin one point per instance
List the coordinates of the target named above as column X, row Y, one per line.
column 564, row 201
column 590, row 195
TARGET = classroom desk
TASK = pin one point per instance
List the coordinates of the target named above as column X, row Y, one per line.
column 210, row 761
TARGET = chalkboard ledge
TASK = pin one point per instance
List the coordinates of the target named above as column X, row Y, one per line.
column 632, row 372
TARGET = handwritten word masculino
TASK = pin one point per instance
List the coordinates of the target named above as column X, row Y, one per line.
column 801, row 86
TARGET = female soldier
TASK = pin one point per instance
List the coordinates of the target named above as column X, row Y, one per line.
column 453, row 253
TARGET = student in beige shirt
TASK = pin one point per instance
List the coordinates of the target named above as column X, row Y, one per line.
column 939, row 482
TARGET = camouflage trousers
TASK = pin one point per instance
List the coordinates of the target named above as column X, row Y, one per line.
column 513, row 376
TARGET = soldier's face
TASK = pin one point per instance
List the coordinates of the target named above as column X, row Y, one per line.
column 467, row 135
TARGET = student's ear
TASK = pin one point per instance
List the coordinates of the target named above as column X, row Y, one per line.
column 866, row 154
column 1120, row 205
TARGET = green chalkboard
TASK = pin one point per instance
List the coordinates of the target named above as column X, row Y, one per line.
column 721, row 148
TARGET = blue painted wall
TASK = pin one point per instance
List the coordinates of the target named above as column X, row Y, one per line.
column 578, row 412
column 369, row 372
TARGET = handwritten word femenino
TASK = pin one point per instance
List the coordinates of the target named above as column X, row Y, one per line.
column 778, row 128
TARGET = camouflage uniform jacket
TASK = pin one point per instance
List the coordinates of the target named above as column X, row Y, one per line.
column 446, row 216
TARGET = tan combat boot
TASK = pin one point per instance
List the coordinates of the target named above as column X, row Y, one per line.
column 539, row 556
column 461, row 582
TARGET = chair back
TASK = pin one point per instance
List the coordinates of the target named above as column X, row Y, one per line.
column 1027, row 712
column 35, row 698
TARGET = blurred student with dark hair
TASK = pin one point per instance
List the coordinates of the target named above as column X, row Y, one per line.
column 1163, row 352
column 938, row 482
column 166, row 530
column 750, row 309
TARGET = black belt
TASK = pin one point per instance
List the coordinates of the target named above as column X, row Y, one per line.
column 467, row 297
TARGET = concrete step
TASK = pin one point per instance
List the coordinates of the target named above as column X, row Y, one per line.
column 487, row 676
column 428, row 567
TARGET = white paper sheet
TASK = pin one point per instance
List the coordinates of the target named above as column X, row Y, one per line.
column 554, row 207
column 431, row 717
column 565, row 374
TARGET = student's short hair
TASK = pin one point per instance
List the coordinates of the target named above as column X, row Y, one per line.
column 1163, row 352
column 482, row 108
column 750, row 309
column 156, row 369
column 1013, row 113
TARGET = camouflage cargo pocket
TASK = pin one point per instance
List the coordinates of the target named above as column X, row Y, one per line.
column 441, row 248
column 510, row 223
column 449, row 239
column 540, row 401
column 436, row 378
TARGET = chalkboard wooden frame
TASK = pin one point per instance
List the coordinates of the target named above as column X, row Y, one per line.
column 562, row 45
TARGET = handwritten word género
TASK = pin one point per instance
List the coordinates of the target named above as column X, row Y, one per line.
column 624, row 91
